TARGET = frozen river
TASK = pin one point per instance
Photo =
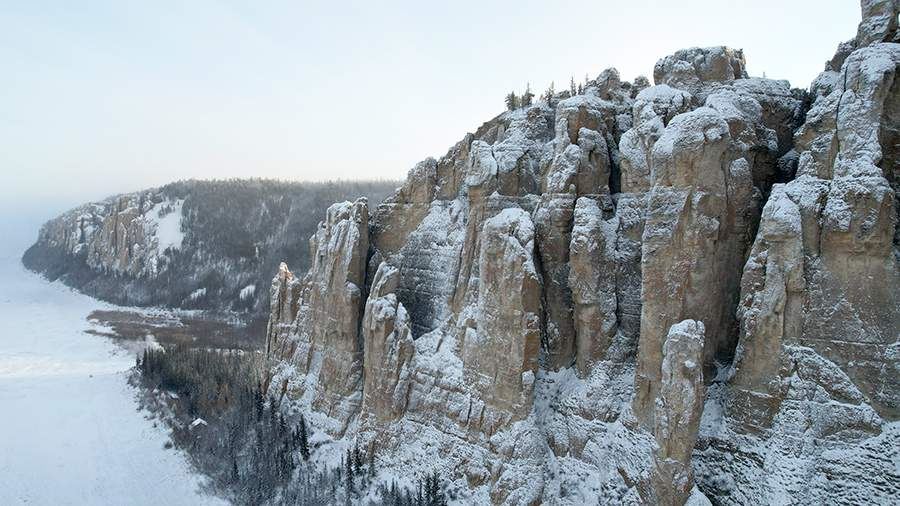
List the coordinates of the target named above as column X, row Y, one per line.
column 70, row 430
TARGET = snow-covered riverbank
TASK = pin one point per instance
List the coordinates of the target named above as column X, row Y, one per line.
column 70, row 430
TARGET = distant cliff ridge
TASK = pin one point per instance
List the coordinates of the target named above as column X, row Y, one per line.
column 191, row 244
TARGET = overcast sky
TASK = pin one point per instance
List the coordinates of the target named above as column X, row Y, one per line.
column 101, row 97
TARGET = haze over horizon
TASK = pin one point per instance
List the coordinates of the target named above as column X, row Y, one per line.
column 109, row 97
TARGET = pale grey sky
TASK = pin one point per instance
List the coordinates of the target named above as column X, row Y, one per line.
column 101, row 97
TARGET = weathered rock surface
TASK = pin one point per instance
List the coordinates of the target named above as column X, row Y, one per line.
column 694, row 69
column 809, row 409
column 879, row 22
column 388, row 349
column 324, row 362
column 701, row 215
column 677, row 411
column 640, row 294
column 284, row 295
column 500, row 353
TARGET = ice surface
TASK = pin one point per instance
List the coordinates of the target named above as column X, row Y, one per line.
column 70, row 431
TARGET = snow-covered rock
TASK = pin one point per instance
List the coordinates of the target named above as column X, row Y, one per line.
column 325, row 348
column 626, row 297
column 694, row 69
column 814, row 379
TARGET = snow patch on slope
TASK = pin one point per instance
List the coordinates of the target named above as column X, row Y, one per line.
column 164, row 220
column 247, row 292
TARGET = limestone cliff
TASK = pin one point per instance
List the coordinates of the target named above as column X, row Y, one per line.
column 635, row 295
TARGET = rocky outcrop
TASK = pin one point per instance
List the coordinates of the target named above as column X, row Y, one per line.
column 813, row 386
column 693, row 69
column 500, row 354
column 553, row 226
column 129, row 235
column 209, row 245
column 594, row 295
column 637, row 294
column 677, row 411
column 388, row 350
column 653, row 109
column 284, row 295
column 327, row 349
column 700, row 212
column 879, row 22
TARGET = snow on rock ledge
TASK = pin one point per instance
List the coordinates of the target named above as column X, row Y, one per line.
column 625, row 297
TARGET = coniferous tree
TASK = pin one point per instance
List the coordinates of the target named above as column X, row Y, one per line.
column 432, row 493
column 372, row 470
column 528, row 96
column 304, row 441
column 512, row 101
column 357, row 460
column 573, row 90
column 551, row 91
column 348, row 498
column 349, row 470
column 258, row 404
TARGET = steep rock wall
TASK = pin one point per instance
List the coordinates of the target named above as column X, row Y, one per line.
column 814, row 384
column 603, row 298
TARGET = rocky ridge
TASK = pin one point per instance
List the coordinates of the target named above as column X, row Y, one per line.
column 190, row 244
column 666, row 294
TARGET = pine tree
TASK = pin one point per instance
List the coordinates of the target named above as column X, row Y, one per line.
column 433, row 494
column 573, row 90
column 304, row 441
column 512, row 101
column 258, row 404
column 349, row 470
column 273, row 414
column 551, row 91
column 357, row 460
column 348, row 499
column 528, row 96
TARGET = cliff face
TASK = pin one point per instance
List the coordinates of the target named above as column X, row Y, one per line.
column 639, row 294
column 192, row 244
